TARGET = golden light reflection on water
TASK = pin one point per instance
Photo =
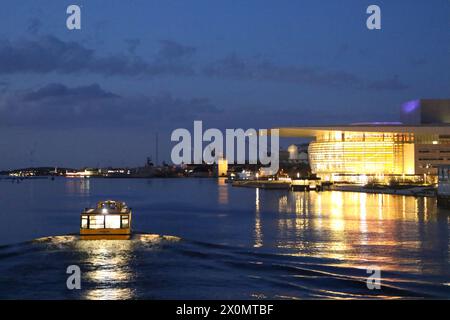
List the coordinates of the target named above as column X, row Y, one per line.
column 108, row 264
column 78, row 186
column 349, row 226
column 106, row 261
column 258, row 229
column 108, row 268
column 223, row 191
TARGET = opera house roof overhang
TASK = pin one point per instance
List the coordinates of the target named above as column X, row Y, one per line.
column 312, row 131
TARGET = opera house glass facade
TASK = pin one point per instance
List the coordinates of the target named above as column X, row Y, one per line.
column 371, row 153
column 408, row 150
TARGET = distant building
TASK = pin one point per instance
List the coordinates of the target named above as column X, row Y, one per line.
column 298, row 153
column 412, row 149
column 294, row 154
column 88, row 172
column 426, row 111
column 443, row 191
column 222, row 167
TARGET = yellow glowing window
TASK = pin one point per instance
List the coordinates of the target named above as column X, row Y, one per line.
column 96, row 222
column 112, row 222
column 84, row 222
column 125, row 222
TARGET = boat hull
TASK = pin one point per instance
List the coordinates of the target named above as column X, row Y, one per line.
column 106, row 237
column 105, row 234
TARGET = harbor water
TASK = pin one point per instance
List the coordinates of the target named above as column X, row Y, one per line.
column 204, row 239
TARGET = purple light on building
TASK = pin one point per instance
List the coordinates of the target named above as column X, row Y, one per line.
column 410, row 106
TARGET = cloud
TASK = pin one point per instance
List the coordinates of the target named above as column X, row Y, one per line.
column 60, row 91
column 132, row 44
column 171, row 50
column 4, row 85
column 34, row 26
column 392, row 84
column 235, row 67
column 47, row 54
column 173, row 58
column 57, row 105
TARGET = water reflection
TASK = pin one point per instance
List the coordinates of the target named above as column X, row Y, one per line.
column 78, row 186
column 357, row 227
column 222, row 191
column 258, row 229
column 214, row 260
column 108, row 268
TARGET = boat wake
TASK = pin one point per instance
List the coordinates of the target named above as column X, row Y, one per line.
column 150, row 266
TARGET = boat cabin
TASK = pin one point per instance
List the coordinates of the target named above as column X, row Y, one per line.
column 108, row 220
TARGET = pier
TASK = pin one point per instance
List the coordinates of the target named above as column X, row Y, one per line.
column 306, row 184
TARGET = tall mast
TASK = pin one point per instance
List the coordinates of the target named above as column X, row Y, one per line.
column 156, row 148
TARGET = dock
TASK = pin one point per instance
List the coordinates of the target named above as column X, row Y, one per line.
column 294, row 184
column 263, row 184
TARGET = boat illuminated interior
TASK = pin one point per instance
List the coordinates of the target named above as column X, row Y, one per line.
column 110, row 219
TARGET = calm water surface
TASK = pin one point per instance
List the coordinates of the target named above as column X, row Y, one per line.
column 200, row 238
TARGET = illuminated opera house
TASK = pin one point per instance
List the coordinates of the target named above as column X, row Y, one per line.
column 410, row 150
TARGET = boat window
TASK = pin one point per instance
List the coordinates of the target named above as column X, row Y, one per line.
column 96, row 222
column 125, row 222
column 84, row 222
column 112, row 222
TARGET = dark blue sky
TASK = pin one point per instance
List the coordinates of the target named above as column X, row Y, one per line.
column 97, row 96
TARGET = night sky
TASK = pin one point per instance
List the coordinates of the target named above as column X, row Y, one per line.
column 97, row 96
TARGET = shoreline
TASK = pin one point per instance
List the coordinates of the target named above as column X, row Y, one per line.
column 419, row 191
column 414, row 191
